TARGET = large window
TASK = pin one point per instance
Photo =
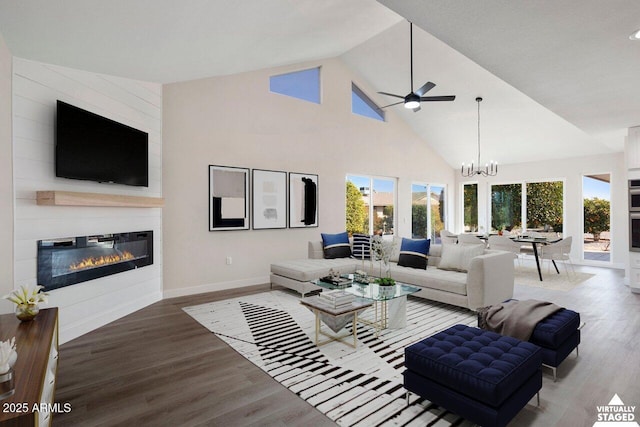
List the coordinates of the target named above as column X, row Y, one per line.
column 506, row 207
column 534, row 206
column 470, row 207
column 370, row 205
column 303, row 84
column 428, row 213
column 363, row 105
column 544, row 206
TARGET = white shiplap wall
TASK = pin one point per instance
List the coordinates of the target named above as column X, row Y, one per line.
column 36, row 87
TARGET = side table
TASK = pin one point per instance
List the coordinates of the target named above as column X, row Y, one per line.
column 336, row 319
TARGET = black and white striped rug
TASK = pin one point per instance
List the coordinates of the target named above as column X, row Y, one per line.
column 353, row 387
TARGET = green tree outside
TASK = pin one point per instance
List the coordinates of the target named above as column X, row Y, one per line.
column 418, row 221
column 437, row 225
column 506, row 205
column 471, row 207
column 387, row 213
column 597, row 215
column 356, row 211
column 544, row 205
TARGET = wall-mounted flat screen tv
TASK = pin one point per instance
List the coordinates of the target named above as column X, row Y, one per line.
column 94, row 148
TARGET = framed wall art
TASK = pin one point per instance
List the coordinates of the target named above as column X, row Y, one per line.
column 269, row 202
column 228, row 198
column 303, row 200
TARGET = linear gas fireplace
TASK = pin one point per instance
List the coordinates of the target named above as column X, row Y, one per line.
column 66, row 261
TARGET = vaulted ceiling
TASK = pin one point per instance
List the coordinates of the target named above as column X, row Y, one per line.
column 557, row 78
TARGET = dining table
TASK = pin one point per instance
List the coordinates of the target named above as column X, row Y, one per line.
column 535, row 241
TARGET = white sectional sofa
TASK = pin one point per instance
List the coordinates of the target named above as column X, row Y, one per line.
column 488, row 280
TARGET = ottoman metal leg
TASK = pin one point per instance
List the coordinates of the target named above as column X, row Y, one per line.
column 554, row 370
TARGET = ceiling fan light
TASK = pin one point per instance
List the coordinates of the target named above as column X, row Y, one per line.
column 635, row 35
column 411, row 104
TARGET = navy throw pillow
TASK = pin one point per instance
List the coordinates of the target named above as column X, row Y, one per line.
column 361, row 246
column 413, row 253
column 336, row 245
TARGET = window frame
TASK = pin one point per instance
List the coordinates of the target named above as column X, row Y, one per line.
column 371, row 212
column 462, row 185
column 445, row 189
column 523, row 200
column 369, row 102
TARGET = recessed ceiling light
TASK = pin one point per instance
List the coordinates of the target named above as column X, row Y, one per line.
column 635, row 35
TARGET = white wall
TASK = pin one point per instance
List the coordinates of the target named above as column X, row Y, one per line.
column 236, row 121
column 6, row 179
column 36, row 87
column 571, row 172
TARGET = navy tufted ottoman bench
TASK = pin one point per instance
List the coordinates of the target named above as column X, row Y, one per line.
column 482, row 376
column 558, row 335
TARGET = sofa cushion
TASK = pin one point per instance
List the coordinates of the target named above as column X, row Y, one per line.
column 432, row 278
column 458, row 257
column 306, row 270
column 361, row 246
column 413, row 253
column 336, row 245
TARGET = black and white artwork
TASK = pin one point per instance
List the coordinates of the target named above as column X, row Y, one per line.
column 228, row 198
column 269, row 199
column 303, row 200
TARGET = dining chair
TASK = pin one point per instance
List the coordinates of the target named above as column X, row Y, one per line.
column 470, row 239
column 503, row 243
column 447, row 237
column 558, row 251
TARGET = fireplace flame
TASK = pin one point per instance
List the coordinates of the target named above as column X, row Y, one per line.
column 93, row 262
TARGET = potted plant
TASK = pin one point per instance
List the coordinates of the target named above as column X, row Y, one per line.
column 382, row 252
column 26, row 300
column 385, row 281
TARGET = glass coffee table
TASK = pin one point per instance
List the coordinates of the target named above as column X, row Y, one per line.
column 389, row 302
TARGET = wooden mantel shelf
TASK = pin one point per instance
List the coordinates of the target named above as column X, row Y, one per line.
column 72, row 198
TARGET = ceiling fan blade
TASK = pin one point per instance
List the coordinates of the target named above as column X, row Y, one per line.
column 438, row 98
column 391, row 105
column 415, row 110
column 391, row 94
column 425, row 88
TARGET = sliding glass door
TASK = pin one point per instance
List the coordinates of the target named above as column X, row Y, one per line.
column 428, row 211
column 370, row 205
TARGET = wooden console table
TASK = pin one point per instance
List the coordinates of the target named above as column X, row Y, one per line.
column 34, row 371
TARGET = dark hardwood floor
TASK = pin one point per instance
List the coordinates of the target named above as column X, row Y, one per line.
column 159, row 367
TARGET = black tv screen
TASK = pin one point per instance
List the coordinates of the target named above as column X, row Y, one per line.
column 94, row 148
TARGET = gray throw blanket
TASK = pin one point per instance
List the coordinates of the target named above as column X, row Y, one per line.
column 515, row 318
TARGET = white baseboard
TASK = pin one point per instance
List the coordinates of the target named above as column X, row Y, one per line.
column 211, row 287
column 88, row 324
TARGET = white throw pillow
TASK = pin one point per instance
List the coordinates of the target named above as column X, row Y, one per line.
column 458, row 257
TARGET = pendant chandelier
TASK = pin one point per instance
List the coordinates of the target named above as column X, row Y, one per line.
column 489, row 169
